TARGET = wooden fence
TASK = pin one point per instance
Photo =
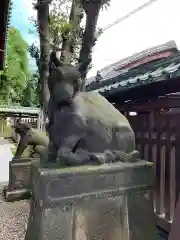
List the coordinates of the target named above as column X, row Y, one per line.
column 32, row 121
column 5, row 124
column 158, row 140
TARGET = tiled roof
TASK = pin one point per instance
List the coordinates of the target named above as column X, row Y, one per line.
column 90, row 80
column 162, row 70
column 19, row 109
column 113, row 73
column 115, row 69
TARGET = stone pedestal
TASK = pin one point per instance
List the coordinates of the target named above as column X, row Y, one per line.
column 19, row 186
column 109, row 202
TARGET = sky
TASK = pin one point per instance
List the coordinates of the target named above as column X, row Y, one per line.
column 154, row 25
column 20, row 18
column 21, row 13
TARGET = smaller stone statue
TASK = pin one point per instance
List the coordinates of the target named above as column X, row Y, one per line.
column 32, row 137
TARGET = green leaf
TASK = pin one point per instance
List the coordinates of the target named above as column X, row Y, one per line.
column 17, row 70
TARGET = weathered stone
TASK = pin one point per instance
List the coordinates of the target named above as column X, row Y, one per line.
column 19, row 186
column 80, row 129
column 30, row 137
column 108, row 202
column 19, row 174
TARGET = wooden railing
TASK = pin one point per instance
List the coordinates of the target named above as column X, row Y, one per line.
column 32, row 121
column 158, row 140
column 5, row 126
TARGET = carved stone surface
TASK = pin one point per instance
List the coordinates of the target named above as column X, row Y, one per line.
column 109, row 202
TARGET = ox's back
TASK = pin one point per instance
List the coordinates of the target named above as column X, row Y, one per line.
column 96, row 106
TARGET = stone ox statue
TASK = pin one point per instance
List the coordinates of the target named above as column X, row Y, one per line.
column 84, row 128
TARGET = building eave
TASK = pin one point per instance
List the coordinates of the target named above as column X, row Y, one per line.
column 19, row 110
column 163, row 70
column 5, row 28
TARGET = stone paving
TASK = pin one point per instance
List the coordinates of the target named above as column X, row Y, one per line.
column 5, row 156
column 13, row 216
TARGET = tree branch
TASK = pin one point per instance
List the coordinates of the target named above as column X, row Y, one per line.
column 42, row 3
column 92, row 9
column 43, row 21
column 75, row 18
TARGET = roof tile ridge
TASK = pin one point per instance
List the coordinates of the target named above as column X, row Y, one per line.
column 142, row 54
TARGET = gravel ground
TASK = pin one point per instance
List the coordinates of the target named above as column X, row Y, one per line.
column 13, row 219
column 13, row 216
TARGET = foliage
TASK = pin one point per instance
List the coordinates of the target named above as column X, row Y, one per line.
column 31, row 94
column 60, row 28
column 17, row 71
column 59, row 21
column 105, row 4
column 63, row 31
column 34, row 53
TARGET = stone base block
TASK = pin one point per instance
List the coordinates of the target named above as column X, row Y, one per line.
column 109, row 202
column 16, row 195
column 19, row 186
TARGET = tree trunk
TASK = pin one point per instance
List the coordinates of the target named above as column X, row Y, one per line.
column 92, row 10
column 75, row 18
column 43, row 20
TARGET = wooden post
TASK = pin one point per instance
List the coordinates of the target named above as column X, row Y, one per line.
column 39, row 121
column 175, row 230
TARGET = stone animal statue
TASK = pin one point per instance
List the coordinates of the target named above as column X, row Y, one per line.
column 32, row 137
column 84, row 128
column 14, row 136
